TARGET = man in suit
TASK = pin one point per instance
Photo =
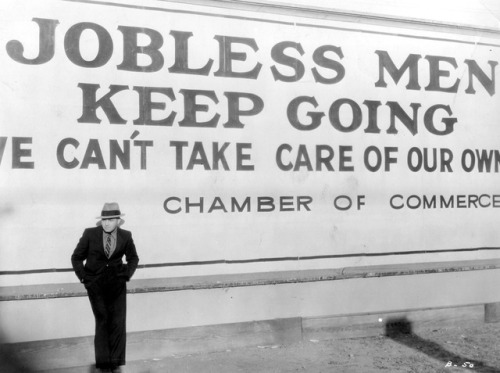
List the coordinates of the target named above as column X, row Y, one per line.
column 97, row 261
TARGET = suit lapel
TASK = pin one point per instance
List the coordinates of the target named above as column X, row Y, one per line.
column 119, row 241
column 101, row 240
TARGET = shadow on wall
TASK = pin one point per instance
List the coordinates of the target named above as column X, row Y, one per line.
column 9, row 359
column 400, row 330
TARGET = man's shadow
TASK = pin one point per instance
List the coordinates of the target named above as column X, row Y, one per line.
column 401, row 331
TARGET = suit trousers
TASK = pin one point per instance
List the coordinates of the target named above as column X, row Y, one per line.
column 108, row 298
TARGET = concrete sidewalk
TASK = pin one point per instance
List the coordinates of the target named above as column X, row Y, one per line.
column 468, row 346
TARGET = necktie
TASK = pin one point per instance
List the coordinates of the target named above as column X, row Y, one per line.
column 107, row 249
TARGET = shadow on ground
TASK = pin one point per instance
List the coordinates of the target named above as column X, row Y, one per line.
column 10, row 361
column 400, row 330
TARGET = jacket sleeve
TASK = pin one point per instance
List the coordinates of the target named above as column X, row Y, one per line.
column 131, row 257
column 80, row 255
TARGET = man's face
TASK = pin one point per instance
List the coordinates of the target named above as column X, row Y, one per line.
column 109, row 225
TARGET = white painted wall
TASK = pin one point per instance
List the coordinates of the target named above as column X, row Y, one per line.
column 45, row 210
column 483, row 13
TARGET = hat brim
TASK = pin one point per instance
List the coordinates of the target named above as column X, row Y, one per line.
column 120, row 223
column 110, row 216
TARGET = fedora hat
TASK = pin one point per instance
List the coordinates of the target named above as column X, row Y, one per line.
column 111, row 210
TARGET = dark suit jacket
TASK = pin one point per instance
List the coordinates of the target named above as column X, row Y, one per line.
column 90, row 249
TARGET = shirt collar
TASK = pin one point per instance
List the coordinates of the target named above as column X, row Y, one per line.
column 112, row 234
